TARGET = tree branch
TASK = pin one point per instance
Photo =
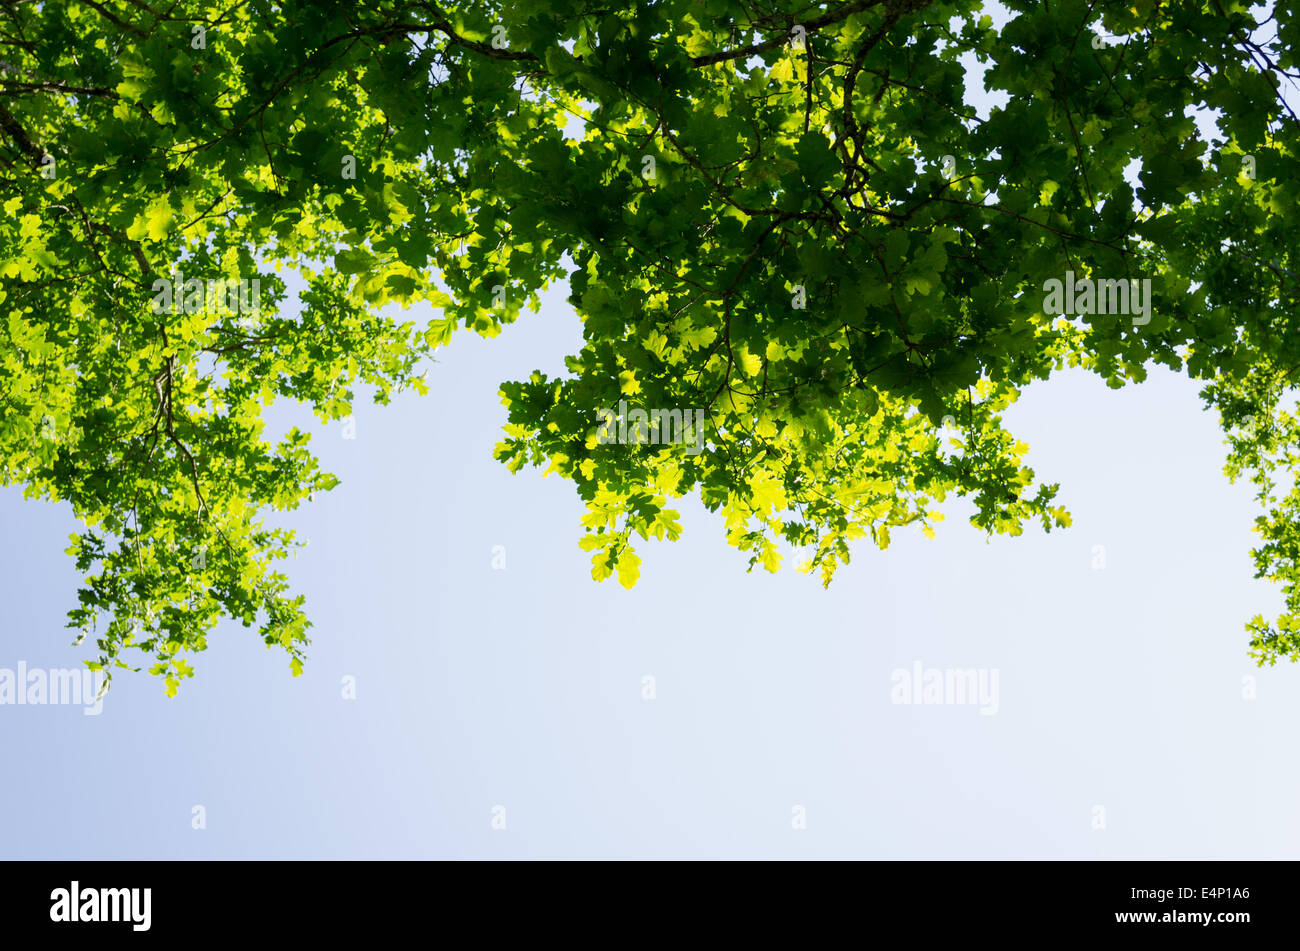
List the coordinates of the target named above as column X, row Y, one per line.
column 816, row 23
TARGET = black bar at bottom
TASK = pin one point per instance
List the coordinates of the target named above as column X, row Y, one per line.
column 1215, row 900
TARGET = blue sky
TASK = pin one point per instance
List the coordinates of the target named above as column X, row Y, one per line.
column 476, row 688
column 1129, row 724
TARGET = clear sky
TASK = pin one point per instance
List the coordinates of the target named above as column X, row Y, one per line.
column 1121, row 687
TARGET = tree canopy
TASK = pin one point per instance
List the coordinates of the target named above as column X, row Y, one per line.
column 785, row 215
